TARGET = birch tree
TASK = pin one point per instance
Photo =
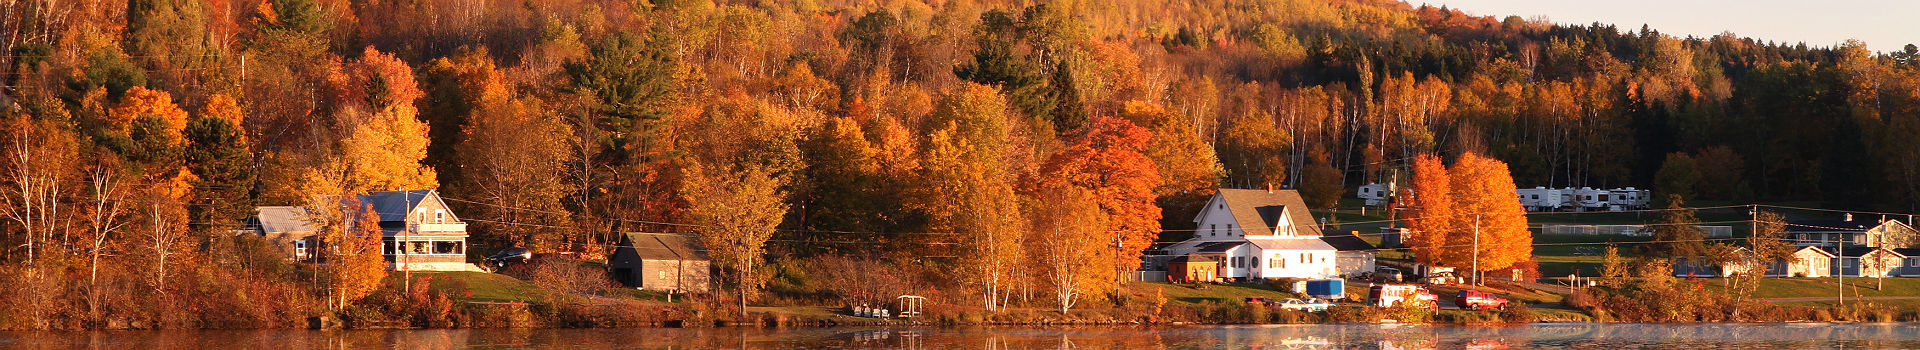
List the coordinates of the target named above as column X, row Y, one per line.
column 965, row 188
column 1066, row 238
column 107, row 203
column 38, row 159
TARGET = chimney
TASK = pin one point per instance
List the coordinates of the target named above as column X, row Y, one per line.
column 1849, row 217
column 1269, row 187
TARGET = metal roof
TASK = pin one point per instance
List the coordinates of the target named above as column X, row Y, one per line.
column 284, row 219
column 661, row 246
column 1291, row 243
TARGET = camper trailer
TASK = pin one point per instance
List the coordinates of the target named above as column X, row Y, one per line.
column 1375, row 194
column 1588, row 198
column 1627, row 199
column 1541, row 199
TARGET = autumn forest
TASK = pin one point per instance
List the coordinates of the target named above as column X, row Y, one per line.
column 1027, row 145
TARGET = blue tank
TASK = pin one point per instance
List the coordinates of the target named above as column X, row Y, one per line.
column 1327, row 288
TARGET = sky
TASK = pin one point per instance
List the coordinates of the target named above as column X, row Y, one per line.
column 1886, row 25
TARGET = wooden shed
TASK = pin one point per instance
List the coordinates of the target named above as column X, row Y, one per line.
column 660, row 262
column 1193, row 268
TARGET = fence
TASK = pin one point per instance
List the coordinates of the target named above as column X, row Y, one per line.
column 1625, row 230
column 1146, row 276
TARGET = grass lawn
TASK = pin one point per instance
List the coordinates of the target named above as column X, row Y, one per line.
column 1565, row 254
column 1194, row 294
column 479, row 286
column 1826, row 288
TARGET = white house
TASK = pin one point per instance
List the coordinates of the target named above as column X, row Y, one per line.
column 1261, row 234
column 421, row 233
column 418, row 231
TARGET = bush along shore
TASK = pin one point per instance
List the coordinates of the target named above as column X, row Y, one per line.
column 570, row 294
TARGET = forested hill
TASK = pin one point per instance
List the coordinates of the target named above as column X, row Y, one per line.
column 553, row 122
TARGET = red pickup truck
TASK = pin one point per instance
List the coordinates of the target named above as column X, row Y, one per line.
column 1478, row 300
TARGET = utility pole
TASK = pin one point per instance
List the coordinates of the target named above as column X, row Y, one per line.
column 1476, row 250
column 1840, row 270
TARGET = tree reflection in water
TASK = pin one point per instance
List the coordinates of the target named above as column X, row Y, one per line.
column 1578, row 336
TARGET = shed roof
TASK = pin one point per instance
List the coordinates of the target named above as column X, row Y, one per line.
column 1194, row 258
column 1216, row 247
column 284, row 219
column 1346, row 242
column 660, row 246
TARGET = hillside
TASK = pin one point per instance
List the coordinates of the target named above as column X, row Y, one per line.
column 923, row 136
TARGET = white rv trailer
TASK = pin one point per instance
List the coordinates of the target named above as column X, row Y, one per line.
column 1542, row 198
column 1376, row 194
column 1628, row 199
column 1588, row 198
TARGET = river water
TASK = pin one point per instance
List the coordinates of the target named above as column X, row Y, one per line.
column 1354, row 336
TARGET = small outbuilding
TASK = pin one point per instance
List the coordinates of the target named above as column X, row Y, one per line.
column 1193, row 268
column 660, row 262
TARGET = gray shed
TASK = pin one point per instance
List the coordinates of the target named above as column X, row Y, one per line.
column 661, row 262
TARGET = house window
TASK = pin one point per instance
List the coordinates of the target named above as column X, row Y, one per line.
column 439, row 216
column 1213, row 229
column 300, row 249
column 1306, row 258
column 447, row 247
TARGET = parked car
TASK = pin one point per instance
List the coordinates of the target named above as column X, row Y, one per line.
column 1259, row 300
column 1384, row 274
column 1440, row 276
column 1308, row 304
column 1389, row 295
column 1478, row 300
column 510, row 255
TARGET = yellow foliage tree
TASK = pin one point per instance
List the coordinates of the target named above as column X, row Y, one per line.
column 737, row 208
column 965, row 188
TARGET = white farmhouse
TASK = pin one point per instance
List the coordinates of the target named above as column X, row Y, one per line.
column 1261, row 234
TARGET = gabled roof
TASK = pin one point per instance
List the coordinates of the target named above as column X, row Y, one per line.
column 1829, row 225
column 1858, row 251
column 284, row 219
column 1815, row 249
column 395, row 205
column 1291, row 243
column 1908, row 252
column 659, row 246
column 1256, row 211
column 1346, row 242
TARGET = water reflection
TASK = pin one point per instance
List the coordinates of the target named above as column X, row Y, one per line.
column 1362, row 336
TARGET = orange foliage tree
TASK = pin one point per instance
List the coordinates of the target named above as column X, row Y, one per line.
column 1469, row 205
column 1108, row 162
